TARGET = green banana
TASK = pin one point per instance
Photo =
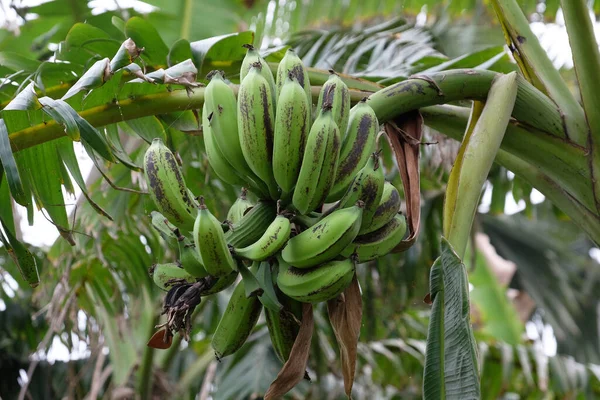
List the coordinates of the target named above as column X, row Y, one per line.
column 167, row 186
column 252, row 225
column 273, row 239
column 388, row 207
column 190, row 258
column 357, row 145
column 237, row 322
column 211, row 244
column 164, row 227
column 256, row 118
column 220, row 110
column 239, row 208
column 168, row 275
column 378, row 243
column 335, row 92
column 223, row 169
column 324, row 240
column 291, row 66
column 328, row 170
column 368, row 187
column 323, row 136
column 292, row 123
column 316, row 284
column 283, row 327
column 252, row 57
column 219, row 283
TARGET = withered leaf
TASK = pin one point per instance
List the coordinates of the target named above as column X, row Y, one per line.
column 162, row 339
column 404, row 135
column 345, row 315
column 294, row 369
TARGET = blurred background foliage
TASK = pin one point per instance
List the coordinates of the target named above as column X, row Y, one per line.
column 87, row 324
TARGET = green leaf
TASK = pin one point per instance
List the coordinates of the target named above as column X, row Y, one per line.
column 222, row 52
column 146, row 36
column 17, row 62
column 450, row 359
column 84, row 130
column 118, row 23
column 85, row 41
column 10, row 167
column 184, row 121
column 127, row 54
column 6, row 210
column 114, row 141
column 59, row 111
column 67, row 155
column 179, row 52
column 498, row 316
column 20, row 254
column 148, row 128
column 41, row 167
column 94, row 77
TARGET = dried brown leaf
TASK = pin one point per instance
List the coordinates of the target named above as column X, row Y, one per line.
column 345, row 315
column 404, row 135
column 162, row 339
column 294, row 369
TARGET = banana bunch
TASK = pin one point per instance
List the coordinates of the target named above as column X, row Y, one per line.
column 277, row 248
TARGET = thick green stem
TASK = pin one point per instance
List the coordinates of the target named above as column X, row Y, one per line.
column 532, row 107
column 452, row 121
column 130, row 108
column 560, row 159
column 146, row 367
column 538, row 68
column 586, row 58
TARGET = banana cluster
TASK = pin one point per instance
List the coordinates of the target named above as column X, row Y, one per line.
column 322, row 202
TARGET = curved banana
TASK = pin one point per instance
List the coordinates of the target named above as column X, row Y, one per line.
column 273, row 239
column 368, row 187
column 378, row 243
column 291, row 66
column 216, row 159
column 328, row 170
column 292, row 124
column 252, row 225
column 239, row 208
column 324, row 135
column 324, row 240
column 252, row 57
column 335, row 93
column 317, row 284
column 237, row 322
column 167, row 186
column 283, row 327
column 211, row 244
column 220, row 110
column 165, row 276
column 357, row 145
column 388, row 207
column 190, row 258
column 256, row 119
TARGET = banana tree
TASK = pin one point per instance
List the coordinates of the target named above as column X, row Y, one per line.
column 555, row 150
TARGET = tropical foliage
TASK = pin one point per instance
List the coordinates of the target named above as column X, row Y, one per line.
column 114, row 79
